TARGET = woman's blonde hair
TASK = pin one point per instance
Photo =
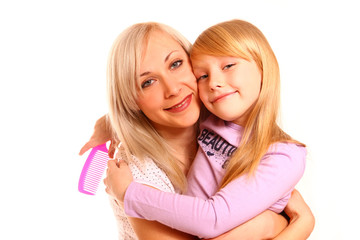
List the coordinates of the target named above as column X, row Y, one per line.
column 239, row 38
column 131, row 127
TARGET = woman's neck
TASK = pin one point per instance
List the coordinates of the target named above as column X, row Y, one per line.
column 184, row 143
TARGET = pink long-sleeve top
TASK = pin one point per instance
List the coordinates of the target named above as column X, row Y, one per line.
column 206, row 212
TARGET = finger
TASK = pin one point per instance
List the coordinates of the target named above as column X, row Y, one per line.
column 121, row 162
column 86, row 147
column 111, row 163
column 111, row 152
column 112, row 149
column 295, row 192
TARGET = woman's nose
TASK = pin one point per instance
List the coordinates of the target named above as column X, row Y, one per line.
column 172, row 88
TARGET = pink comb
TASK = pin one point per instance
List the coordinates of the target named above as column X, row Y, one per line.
column 93, row 170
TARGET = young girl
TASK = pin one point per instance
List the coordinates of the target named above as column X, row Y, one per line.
column 238, row 80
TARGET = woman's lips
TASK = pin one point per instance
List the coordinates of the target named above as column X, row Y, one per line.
column 180, row 106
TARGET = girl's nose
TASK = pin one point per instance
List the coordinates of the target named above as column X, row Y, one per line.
column 216, row 81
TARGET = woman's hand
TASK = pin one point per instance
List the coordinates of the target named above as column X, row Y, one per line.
column 302, row 221
column 264, row 226
column 118, row 178
column 297, row 207
column 101, row 134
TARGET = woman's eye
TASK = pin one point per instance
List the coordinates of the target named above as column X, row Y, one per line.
column 176, row 64
column 202, row 77
column 147, row 83
column 228, row 66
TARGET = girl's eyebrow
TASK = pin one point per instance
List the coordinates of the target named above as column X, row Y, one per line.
column 166, row 59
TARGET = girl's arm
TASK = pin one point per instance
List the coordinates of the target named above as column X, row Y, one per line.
column 268, row 225
column 239, row 201
column 144, row 229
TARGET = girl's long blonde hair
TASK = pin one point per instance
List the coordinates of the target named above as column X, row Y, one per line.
column 131, row 127
column 239, row 38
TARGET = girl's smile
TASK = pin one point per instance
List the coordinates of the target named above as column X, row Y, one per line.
column 222, row 96
column 228, row 86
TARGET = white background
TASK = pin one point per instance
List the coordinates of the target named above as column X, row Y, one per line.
column 52, row 70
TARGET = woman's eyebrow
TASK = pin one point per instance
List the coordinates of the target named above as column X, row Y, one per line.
column 166, row 59
column 144, row 74
column 168, row 56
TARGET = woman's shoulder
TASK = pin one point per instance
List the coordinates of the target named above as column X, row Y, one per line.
column 146, row 171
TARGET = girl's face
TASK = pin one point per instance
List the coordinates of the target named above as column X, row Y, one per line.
column 228, row 86
column 169, row 96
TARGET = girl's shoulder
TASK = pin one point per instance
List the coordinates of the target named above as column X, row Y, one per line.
column 287, row 157
column 288, row 150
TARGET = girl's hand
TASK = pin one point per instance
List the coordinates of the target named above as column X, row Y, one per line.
column 101, row 134
column 118, row 178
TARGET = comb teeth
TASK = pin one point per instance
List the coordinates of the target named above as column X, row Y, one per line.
column 93, row 171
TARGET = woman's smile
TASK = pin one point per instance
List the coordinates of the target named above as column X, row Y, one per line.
column 181, row 106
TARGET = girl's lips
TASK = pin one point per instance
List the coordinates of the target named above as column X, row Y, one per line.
column 180, row 106
column 220, row 97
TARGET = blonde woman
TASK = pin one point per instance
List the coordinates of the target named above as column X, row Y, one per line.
column 154, row 108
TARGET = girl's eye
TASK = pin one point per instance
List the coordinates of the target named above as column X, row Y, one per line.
column 147, row 83
column 176, row 64
column 202, row 77
column 228, row 66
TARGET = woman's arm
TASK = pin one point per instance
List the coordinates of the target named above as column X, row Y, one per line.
column 151, row 230
column 102, row 133
column 266, row 225
column 302, row 221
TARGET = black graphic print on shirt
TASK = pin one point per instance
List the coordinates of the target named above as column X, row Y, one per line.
column 215, row 147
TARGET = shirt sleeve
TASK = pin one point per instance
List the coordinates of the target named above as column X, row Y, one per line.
column 236, row 203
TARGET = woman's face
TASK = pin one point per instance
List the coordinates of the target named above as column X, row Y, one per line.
column 169, row 96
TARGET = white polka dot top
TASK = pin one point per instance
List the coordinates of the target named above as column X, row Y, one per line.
column 146, row 172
